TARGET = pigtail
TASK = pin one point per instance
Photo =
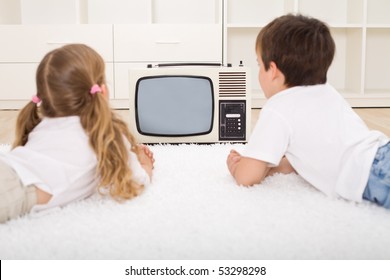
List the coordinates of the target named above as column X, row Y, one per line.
column 28, row 118
column 107, row 136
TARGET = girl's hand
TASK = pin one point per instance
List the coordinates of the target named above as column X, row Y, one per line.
column 146, row 158
column 145, row 149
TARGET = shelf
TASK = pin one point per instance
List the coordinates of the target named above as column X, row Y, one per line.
column 9, row 12
column 377, row 77
column 191, row 12
column 110, row 11
column 334, row 12
column 360, row 28
column 256, row 12
column 118, row 11
column 241, row 47
column 154, row 11
column 384, row 26
column 345, row 72
column 378, row 12
column 260, row 25
column 135, row 32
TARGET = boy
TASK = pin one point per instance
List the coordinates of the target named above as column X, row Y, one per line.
column 306, row 126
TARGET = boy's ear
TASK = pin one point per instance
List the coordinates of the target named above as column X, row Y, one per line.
column 275, row 71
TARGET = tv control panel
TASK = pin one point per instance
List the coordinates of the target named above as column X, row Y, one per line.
column 232, row 120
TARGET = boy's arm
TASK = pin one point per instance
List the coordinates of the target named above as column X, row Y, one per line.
column 249, row 171
column 246, row 171
column 283, row 167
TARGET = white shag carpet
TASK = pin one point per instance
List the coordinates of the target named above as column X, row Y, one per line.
column 194, row 210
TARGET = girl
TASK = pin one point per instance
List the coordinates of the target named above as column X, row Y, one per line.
column 68, row 140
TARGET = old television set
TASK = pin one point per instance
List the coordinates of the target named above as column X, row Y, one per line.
column 190, row 104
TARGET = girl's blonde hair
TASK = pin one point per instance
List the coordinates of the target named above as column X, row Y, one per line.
column 64, row 79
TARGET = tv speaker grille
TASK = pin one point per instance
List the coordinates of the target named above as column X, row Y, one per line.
column 232, row 84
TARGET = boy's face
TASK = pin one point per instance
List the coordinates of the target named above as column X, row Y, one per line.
column 264, row 77
column 271, row 80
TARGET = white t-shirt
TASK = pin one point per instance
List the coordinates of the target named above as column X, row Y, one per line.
column 322, row 137
column 58, row 159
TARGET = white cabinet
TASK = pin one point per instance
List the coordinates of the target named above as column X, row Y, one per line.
column 164, row 31
column 23, row 47
column 29, row 43
column 119, row 11
column 165, row 43
column 134, row 33
column 360, row 28
column 18, row 80
column 54, row 12
column 127, row 33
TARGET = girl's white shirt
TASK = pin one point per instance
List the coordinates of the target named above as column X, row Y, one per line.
column 57, row 158
column 326, row 142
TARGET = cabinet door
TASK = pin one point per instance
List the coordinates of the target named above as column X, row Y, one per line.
column 29, row 43
column 18, row 83
column 122, row 90
column 168, row 42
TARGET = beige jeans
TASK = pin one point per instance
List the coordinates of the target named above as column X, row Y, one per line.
column 15, row 199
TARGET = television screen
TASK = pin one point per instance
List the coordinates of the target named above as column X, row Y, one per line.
column 174, row 105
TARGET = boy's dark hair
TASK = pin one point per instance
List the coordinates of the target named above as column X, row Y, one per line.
column 301, row 47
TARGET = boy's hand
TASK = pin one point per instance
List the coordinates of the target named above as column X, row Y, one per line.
column 232, row 161
column 246, row 171
column 284, row 167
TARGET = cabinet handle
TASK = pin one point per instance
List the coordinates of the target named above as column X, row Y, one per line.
column 167, row 42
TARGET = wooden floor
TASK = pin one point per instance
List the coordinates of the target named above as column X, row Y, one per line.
column 375, row 118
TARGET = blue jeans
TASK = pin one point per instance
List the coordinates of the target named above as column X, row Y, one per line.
column 378, row 185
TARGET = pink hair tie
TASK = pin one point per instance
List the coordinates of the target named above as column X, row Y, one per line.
column 95, row 89
column 35, row 99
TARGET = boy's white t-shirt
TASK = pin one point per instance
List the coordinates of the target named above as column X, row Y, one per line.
column 325, row 141
column 58, row 159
